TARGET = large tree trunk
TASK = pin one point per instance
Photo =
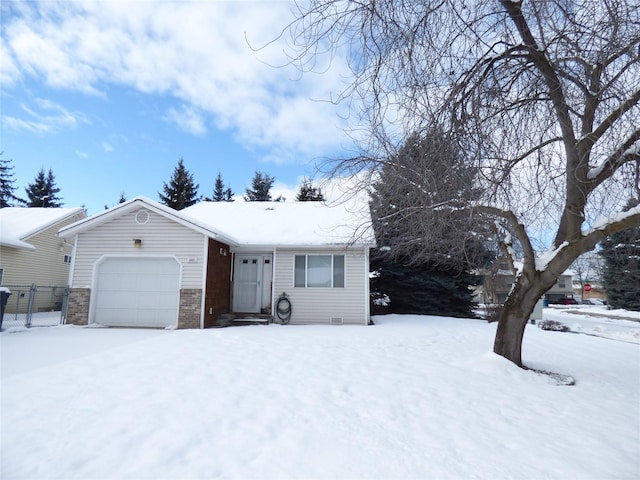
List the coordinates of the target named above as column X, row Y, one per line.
column 513, row 320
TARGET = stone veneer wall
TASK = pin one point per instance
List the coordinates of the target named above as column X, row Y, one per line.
column 78, row 306
column 189, row 310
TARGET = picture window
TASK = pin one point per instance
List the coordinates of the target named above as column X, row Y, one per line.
column 319, row 271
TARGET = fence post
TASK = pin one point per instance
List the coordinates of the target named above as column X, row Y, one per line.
column 32, row 299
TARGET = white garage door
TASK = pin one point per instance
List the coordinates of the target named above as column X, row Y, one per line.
column 137, row 292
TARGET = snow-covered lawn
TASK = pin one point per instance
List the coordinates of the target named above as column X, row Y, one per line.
column 412, row 397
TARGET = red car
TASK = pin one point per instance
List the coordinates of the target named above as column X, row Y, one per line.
column 568, row 301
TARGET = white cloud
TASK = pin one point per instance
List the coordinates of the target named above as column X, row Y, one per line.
column 44, row 116
column 19, row 125
column 82, row 154
column 107, row 147
column 187, row 119
column 9, row 73
column 196, row 52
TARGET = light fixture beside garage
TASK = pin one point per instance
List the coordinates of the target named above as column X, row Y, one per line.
column 137, row 242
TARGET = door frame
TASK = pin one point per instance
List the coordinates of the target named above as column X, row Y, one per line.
column 262, row 293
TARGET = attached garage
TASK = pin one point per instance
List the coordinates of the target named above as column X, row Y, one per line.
column 137, row 292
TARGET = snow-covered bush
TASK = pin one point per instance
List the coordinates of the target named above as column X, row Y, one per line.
column 553, row 325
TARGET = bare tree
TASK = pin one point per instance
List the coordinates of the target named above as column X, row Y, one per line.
column 542, row 96
column 587, row 269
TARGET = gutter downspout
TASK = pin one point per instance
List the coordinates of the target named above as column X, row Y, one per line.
column 367, row 283
column 273, row 285
column 205, row 269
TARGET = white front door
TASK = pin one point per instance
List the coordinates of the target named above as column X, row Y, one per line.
column 247, row 287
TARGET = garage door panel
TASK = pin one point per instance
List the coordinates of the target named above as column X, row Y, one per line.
column 133, row 300
column 137, row 292
column 137, row 282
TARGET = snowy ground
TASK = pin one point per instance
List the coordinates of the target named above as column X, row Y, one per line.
column 412, row 397
column 620, row 325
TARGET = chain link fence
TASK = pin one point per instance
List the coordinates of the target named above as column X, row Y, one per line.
column 35, row 305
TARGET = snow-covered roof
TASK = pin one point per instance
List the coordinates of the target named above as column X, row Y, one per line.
column 17, row 224
column 258, row 223
column 136, row 203
column 288, row 223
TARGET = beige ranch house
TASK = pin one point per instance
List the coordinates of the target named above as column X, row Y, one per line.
column 31, row 253
column 142, row 264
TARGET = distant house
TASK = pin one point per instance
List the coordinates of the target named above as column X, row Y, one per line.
column 31, row 253
column 142, row 264
column 496, row 287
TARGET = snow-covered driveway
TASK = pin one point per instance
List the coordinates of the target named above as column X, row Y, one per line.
column 412, row 397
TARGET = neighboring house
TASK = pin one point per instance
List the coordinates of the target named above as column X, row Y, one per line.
column 32, row 254
column 143, row 264
column 496, row 287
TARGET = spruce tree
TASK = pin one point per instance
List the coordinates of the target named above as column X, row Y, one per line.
column 7, row 189
column 182, row 191
column 621, row 269
column 220, row 193
column 260, row 188
column 423, row 288
column 43, row 191
column 308, row 193
column 420, row 265
column 122, row 199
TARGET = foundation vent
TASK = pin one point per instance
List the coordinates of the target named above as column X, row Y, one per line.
column 336, row 321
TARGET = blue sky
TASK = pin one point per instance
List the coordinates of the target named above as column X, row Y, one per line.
column 110, row 95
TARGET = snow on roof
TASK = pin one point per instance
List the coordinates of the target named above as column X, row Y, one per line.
column 137, row 202
column 288, row 223
column 261, row 223
column 17, row 224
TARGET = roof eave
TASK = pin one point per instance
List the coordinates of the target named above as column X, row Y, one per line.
column 103, row 217
column 17, row 244
column 49, row 224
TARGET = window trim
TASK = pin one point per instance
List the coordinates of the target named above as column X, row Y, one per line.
column 332, row 274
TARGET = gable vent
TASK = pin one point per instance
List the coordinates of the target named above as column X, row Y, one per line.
column 336, row 321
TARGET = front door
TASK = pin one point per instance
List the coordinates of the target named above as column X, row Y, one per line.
column 247, row 289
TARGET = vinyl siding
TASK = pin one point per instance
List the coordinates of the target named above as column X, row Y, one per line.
column 160, row 237
column 43, row 266
column 319, row 305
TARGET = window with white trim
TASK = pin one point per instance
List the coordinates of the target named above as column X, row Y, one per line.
column 322, row 271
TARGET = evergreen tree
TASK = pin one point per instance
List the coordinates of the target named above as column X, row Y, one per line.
column 260, row 188
column 220, row 193
column 122, row 199
column 182, row 191
column 423, row 288
column 7, row 197
column 309, row 193
column 621, row 270
column 422, row 265
column 43, row 191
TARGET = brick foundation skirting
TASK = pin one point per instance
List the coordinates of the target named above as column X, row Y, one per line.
column 78, row 306
column 188, row 315
column 190, row 307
